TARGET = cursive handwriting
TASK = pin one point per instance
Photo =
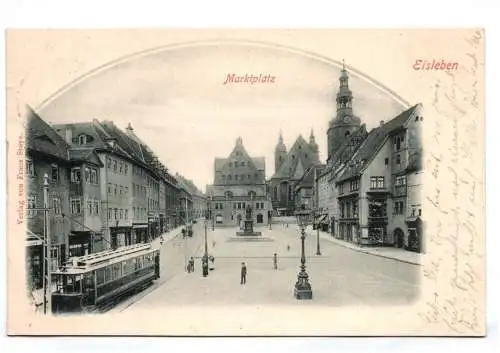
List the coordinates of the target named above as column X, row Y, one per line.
column 456, row 179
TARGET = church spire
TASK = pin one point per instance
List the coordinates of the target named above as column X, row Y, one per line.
column 311, row 136
column 344, row 96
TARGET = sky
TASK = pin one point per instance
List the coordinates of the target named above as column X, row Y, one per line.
column 177, row 102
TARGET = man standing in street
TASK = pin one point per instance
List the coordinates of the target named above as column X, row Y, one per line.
column 243, row 273
column 275, row 261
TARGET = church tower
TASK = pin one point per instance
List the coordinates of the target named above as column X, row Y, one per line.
column 279, row 153
column 344, row 122
column 313, row 145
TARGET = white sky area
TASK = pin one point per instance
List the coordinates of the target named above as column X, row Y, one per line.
column 177, row 103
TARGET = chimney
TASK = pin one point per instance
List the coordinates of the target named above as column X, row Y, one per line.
column 69, row 135
column 381, row 122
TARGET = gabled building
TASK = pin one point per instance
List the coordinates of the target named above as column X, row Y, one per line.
column 74, row 202
column 304, row 189
column 239, row 181
column 325, row 180
column 290, row 168
column 372, row 186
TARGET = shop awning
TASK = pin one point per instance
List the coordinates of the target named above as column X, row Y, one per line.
column 139, row 226
column 412, row 219
column 33, row 239
column 321, row 218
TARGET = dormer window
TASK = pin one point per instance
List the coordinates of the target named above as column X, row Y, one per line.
column 82, row 139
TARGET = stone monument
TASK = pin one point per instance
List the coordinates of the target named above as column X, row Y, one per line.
column 248, row 224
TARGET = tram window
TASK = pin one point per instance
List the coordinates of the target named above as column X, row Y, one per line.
column 108, row 274
column 116, row 271
column 100, row 276
column 88, row 282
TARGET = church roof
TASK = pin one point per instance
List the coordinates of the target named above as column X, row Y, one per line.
column 373, row 142
column 296, row 160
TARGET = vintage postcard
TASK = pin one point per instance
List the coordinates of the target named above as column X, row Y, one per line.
column 246, row 182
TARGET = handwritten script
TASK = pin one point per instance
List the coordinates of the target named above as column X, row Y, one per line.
column 454, row 273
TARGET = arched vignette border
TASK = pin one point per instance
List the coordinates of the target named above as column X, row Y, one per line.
column 207, row 42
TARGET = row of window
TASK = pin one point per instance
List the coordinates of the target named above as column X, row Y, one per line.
column 240, row 177
column 349, row 209
column 91, row 175
column 377, row 182
column 139, row 213
column 400, row 181
column 117, row 166
column 139, row 190
column 117, row 214
column 53, row 175
column 117, row 190
column 93, row 206
column 116, row 271
column 238, row 164
column 153, row 204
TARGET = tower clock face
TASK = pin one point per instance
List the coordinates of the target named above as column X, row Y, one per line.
column 346, row 118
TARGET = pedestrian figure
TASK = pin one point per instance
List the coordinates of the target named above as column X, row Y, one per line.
column 191, row 265
column 213, row 243
column 275, row 261
column 288, row 248
column 243, row 273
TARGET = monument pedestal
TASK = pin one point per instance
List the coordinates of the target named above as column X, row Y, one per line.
column 248, row 229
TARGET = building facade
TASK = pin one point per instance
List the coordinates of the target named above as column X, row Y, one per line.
column 46, row 154
column 239, row 182
column 291, row 167
column 373, row 186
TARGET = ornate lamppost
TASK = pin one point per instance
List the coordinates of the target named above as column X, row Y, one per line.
column 204, row 260
column 318, row 250
column 302, row 289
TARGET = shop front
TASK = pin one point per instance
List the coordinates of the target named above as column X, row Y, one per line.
column 139, row 233
column 415, row 235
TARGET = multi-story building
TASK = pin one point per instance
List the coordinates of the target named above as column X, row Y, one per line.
column 46, row 154
column 289, row 169
column 239, row 182
column 373, row 182
column 304, row 189
column 115, row 184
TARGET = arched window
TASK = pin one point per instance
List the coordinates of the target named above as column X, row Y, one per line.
column 398, row 159
column 347, row 133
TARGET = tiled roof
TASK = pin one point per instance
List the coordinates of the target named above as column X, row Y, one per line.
column 307, row 181
column 373, row 142
column 287, row 169
column 188, row 186
column 41, row 137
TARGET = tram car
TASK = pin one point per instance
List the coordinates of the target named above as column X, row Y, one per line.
column 89, row 281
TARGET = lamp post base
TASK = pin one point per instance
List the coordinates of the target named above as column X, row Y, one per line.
column 301, row 293
column 302, row 289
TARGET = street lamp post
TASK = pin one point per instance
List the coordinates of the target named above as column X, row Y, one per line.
column 302, row 289
column 318, row 250
column 47, row 261
column 204, row 260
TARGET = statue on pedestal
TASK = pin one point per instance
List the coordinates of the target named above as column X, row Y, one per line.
column 249, row 212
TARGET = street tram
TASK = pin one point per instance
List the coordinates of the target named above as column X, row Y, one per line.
column 86, row 282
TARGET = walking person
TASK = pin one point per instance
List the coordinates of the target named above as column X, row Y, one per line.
column 275, row 261
column 243, row 273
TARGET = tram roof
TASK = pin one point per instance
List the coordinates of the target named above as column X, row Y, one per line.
column 82, row 264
